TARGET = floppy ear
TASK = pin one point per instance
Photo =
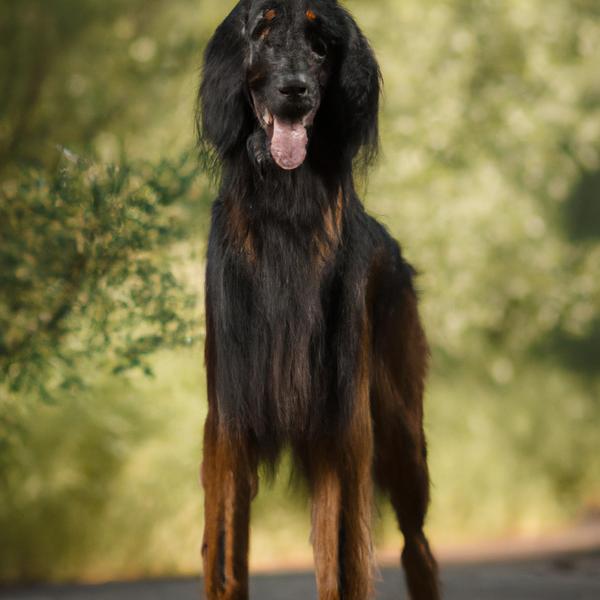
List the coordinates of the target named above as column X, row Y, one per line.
column 359, row 86
column 223, row 112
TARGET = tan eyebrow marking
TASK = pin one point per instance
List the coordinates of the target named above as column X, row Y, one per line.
column 270, row 14
column 310, row 15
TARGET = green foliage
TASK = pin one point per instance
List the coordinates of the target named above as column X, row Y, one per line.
column 88, row 74
column 492, row 127
column 89, row 476
column 85, row 271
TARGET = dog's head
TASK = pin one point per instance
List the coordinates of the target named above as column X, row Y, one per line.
column 278, row 74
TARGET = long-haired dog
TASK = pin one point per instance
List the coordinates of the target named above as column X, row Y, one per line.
column 313, row 339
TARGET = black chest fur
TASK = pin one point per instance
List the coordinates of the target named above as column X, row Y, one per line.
column 275, row 303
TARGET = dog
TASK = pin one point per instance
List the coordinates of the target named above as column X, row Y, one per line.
column 313, row 338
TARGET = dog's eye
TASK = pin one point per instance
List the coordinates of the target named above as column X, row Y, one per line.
column 262, row 29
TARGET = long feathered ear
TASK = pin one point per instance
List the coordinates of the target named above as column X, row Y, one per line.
column 223, row 114
column 359, row 82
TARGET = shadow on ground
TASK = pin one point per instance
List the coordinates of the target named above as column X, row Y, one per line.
column 571, row 576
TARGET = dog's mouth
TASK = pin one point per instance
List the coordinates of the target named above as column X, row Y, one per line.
column 287, row 139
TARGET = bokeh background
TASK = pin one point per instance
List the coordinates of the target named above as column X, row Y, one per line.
column 489, row 176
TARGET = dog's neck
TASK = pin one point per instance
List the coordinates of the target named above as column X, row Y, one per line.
column 276, row 209
column 299, row 198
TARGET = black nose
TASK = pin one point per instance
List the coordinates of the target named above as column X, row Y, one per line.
column 293, row 86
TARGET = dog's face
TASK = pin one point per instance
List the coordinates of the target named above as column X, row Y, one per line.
column 287, row 71
column 275, row 69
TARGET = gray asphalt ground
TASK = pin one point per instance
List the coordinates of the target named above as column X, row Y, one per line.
column 563, row 576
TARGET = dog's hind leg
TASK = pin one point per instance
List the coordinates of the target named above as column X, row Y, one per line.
column 229, row 479
column 401, row 464
column 409, row 494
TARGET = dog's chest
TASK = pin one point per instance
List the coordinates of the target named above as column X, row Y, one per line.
column 283, row 300
column 291, row 283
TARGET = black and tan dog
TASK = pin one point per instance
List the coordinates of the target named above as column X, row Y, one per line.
column 313, row 339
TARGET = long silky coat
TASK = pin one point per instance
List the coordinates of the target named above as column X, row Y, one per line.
column 313, row 339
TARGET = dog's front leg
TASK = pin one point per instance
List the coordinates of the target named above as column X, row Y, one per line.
column 229, row 480
column 342, row 496
column 356, row 552
column 326, row 510
column 341, row 525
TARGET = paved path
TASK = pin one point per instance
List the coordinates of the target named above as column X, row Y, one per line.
column 572, row 576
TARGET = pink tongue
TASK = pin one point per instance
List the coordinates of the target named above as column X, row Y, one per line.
column 288, row 145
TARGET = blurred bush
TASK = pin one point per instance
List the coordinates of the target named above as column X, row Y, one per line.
column 94, row 280
column 85, row 272
column 489, row 177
